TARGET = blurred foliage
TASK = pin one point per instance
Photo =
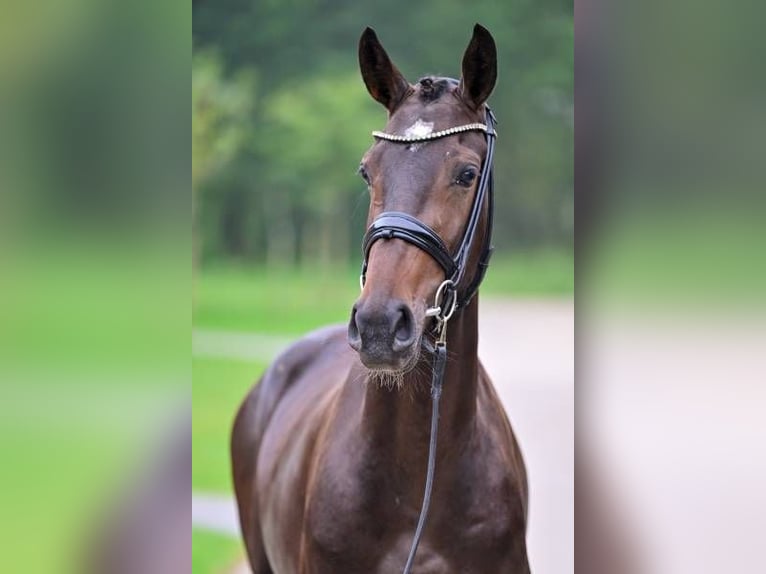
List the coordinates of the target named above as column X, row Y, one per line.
column 288, row 193
column 94, row 252
column 220, row 110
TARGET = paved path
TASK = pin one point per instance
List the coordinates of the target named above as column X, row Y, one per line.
column 528, row 350
column 527, row 347
column 233, row 345
column 215, row 512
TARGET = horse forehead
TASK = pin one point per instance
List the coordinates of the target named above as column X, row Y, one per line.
column 417, row 120
column 443, row 109
column 423, row 119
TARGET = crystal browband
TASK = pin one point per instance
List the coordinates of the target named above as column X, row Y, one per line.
column 434, row 135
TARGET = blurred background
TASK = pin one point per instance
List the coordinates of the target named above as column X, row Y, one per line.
column 280, row 120
column 671, row 276
column 97, row 263
column 95, row 258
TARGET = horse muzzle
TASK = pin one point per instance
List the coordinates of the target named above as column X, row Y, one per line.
column 384, row 334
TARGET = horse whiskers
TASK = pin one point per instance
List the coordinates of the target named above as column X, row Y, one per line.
column 419, row 374
column 389, row 380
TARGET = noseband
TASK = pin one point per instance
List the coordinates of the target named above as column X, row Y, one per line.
column 397, row 225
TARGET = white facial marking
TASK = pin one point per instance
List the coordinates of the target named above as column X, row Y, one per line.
column 418, row 129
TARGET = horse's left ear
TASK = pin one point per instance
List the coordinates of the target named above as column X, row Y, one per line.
column 479, row 68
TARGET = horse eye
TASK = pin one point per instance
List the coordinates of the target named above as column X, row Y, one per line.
column 466, row 177
column 365, row 176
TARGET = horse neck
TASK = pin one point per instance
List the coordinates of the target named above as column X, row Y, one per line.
column 399, row 419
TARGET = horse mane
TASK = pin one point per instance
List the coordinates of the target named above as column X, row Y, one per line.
column 433, row 88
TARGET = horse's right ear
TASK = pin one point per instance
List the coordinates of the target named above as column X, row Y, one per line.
column 384, row 82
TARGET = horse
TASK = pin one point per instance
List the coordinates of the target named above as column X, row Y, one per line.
column 331, row 449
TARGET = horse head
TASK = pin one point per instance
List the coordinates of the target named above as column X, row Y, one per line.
column 423, row 174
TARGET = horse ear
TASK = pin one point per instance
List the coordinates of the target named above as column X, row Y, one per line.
column 479, row 68
column 384, row 82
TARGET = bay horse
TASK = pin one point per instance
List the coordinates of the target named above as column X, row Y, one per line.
column 330, row 449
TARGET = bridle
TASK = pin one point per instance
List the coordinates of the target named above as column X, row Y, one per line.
column 448, row 299
column 398, row 225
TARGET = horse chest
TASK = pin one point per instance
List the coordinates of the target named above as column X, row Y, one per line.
column 369, row 545
column 365, row 525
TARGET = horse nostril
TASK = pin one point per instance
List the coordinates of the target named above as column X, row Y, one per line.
column 354, row 338
column 376, row 331
column 403, row 329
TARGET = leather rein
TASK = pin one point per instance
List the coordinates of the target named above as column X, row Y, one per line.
column 398, row 225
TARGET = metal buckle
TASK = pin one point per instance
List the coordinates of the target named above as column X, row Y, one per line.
column 438, row 312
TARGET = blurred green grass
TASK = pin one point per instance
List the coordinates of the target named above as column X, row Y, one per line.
column 294, row 301
column 218, row 387
column 69, row 450
column 278, row 301
column 536, row 273
column 702, row 258
column 213, row 553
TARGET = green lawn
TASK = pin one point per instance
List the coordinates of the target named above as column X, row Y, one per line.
column 213, row 553
column 218, row 387
column 294, row 301
column 705, row 259
column 272, row 300
column 540, row 273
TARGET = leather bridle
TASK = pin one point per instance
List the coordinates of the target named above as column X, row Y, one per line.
column 397, row 225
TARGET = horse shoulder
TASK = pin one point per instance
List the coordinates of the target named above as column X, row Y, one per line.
column 285, row 372
column 290, row 368
column 342, row 494
column 286, row 413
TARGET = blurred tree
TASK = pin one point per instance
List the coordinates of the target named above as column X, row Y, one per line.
column 291, row 192
column 221, row 113
column 310, row 134
column 221, row 110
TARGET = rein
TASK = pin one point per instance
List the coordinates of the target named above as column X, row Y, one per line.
column 394, row 224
